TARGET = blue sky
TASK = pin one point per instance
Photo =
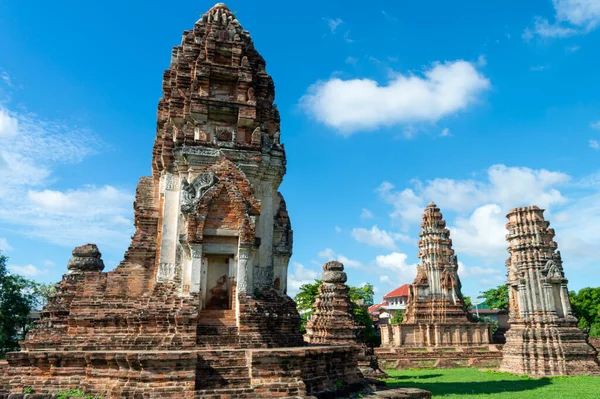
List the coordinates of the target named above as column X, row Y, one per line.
column 385, row 106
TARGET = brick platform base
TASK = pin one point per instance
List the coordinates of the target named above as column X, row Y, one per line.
column 298, row 373
column 487, row 356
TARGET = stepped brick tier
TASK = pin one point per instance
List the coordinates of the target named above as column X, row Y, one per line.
column 333, row 323
column 435, row 312
column 198, row 307
column 543, row 338
column 488, row 356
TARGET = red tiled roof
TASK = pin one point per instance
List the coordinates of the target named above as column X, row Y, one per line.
column 375, row 308
column 400, row 291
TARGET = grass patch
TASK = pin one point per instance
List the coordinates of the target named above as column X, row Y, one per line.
column 473, row 383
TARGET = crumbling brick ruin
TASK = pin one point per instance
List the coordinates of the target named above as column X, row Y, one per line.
column 543, row 338
column 198, row 307
column 332, row 321
column 435, row 313
column 435, row 329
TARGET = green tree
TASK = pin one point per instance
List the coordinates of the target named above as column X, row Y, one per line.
column 44, row 292
column 586, row 307
column 496, row 298
column 468, row 302
column 397, row 317
column 18, row 297
column 305, row 301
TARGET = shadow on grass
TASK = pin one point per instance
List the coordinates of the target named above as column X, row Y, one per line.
column 416, row 377
column 470, row 388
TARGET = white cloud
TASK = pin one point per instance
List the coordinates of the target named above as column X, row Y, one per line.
column 386, row 280
column 26, row 271
column 482, row 234
column 477, row 212
column 408, row 207
column 396, row 263
column 389, row 16
column 333, row 23
column 8, row 125
column 481, row 61
column 91, row 214
column 505, row 186
column 329, row 254
column 347, row 38
column 573, row 17
column 300, row 276
column 6, row 78
column 474, row 271
column 363, row 104
column 338, row 229
column 366, row 214
column 31, row 148
column 374, row 237
column 491, row 282
column 445, row 133
column 4, row 245
column 351, row 61
column 594, row 144
column 572, row 49
column 595, row 125
column 577, row 232
column 538, row 68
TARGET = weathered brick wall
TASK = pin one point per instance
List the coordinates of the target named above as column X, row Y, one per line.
column 112, row 374
column 84, row 317
column 315, row 370
column 223, row 213
column 269, row 322
column 403, row 358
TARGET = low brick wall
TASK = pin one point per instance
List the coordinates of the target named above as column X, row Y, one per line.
column 252, row 373
column 318, row 371
column 488, row 356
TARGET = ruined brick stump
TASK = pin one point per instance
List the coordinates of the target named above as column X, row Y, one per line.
column 332, row 322
column 543, row 339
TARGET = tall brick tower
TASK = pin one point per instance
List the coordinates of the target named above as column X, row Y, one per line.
column 543, row 338
column 435, row 311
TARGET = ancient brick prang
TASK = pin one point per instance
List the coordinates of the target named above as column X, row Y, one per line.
column 435, row 313
column 198, row 307
column 332, row 321
column 543, row 338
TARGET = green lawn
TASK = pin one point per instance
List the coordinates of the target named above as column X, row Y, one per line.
column 473, row 383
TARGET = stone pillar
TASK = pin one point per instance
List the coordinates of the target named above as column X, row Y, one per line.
column 196, row 267
column 242, row 270
column 168, row 270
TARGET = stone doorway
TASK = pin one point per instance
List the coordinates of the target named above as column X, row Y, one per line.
column 219, row 278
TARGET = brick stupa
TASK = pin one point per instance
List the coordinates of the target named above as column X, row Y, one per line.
column 201, row 292
column 543, row 339
column 332, row 321
column 435, row 313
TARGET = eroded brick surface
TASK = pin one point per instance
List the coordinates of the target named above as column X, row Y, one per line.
column 435, row 313
column 198, row 307
column 543, row 338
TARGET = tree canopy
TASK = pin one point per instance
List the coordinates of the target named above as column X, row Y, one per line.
column 496, row 298
column 586, row 307
column 18, row 297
